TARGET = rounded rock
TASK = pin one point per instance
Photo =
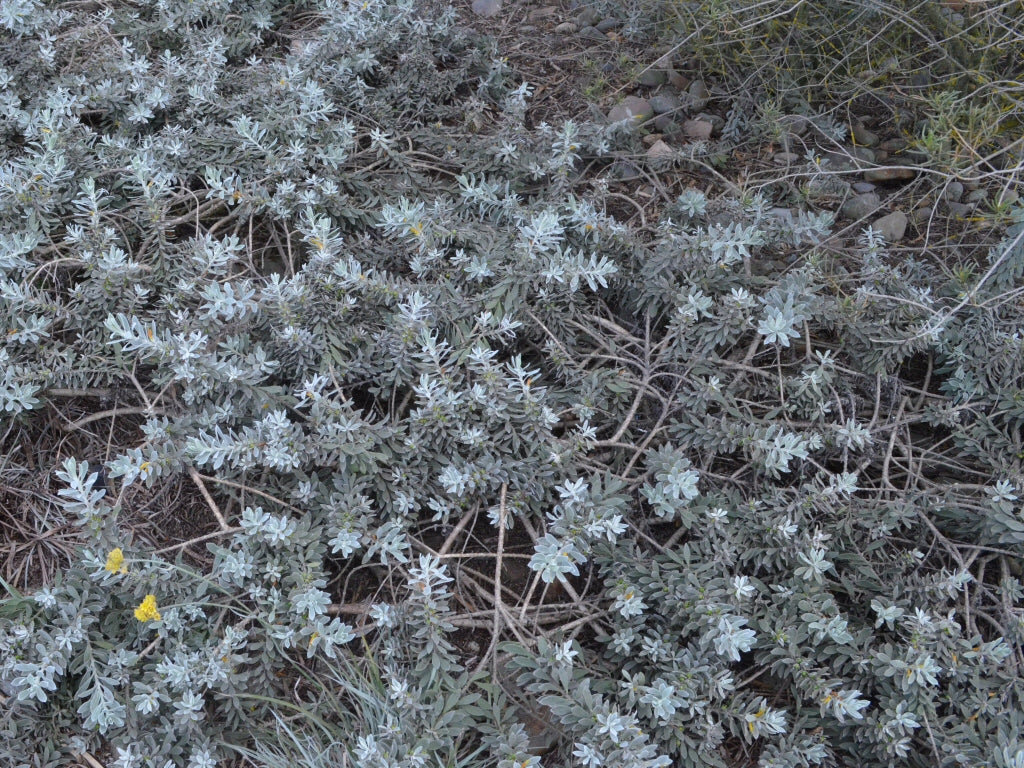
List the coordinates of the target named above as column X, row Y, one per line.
column 921, row 215
column 666, row 124
column 623, row 170
column 863, row 136
column 592, row 35
column 698, row 129
column 864, row 154
column 652, row 78
column 893, row 145
column 631, row 107
column 1007, row 197
column 486, row 8
column 889, row 174
column 678, row 81
column 699, row 95
column 861, row 206
column 716, row 120
column 665, row 102
column 660, row 151
column 542, row 14
column 785, row 158
column 953, row 192
column 891, row 227
column 797, row 125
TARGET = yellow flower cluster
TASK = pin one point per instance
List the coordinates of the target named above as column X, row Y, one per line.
column 115, row 562
column 147, row 609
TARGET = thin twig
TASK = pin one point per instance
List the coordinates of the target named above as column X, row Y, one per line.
column 198, row 480
column 110, row 414
column 498, row 604
column 240, row 486
column 450, row 541
column 196, row 540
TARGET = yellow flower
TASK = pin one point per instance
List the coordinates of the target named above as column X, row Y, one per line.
column 115, row 562
column 147, row 609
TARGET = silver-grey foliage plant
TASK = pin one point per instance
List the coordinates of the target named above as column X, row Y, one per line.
column 307, row 271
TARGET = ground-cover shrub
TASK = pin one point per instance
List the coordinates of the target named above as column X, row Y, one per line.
column 312, row 337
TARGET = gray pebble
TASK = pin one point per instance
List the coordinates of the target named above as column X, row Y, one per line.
column 893, row 145
column 542, row 14
column 861, row 206
column 666, row 124
column 1007, row 196
column 977, row 196
column 486, row 8
column 589, row 33
column 623, row 170
column 864, row 154
column 863, row 186
column 921, row 215
column 839, row 161
column 785, row 158
column 892, row 227
column 698, row 129
column 699, row 95
column 795, row 124
column 566, row 28
column 958, row 210
column 677, row 81
column 863, row 136
column 953, row 192
column 607, row 24
column 889, row 174
column 785, row 214
column 588, row 18
column 652, row 78
column 631, row 107
column 660, row 151
column 665, row 102
column 715, row 120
